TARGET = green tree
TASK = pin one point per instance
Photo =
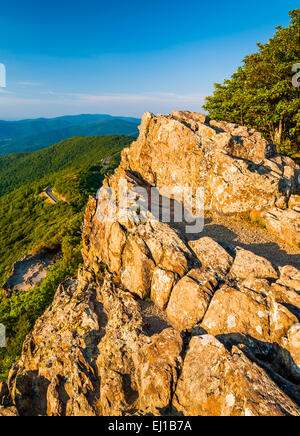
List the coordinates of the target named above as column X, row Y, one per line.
column 261, row 94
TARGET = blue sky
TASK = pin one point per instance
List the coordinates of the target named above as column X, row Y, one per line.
column 125, row 57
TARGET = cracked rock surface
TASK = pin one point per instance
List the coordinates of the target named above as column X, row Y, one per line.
column 156, row 323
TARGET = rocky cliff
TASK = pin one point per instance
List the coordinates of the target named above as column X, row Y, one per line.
column 28, row 272
column 166, row 322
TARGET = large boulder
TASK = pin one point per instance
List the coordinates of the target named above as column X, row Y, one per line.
column 216, row 382
column 284, row 223
column 238, row 169
column 188, row 303
column 162, row 285
column 247, row 264
column 137, row 266
column 289, row 277
column 237, row 311
column 212, row 254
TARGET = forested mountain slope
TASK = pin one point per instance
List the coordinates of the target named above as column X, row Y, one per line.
column 30, row 224
column 22, row 168
column 31, row 135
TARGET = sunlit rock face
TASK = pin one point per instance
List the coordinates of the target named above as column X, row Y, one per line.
column 158, row 323
column 241, row 172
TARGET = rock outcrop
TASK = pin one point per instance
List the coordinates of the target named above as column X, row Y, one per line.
column 27, row 273
column 216, row 382
column 160, row 324
column 241, row 172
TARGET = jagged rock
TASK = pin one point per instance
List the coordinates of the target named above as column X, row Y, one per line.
column 158, row 366
column 91, row 354
column 116, row 244
column 162, row 285
column 239, row 170
column 104, row 348
column 137, row 372
column 188, row 304
column 247, row 264
column 289, row 351
column 212, row 254
column 237, row 311
column 58, row 358
column 215, row 382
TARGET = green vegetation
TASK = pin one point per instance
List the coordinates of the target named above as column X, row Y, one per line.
column 30, row 224
column 31, row 135
column 19, row 169
column 261, row 95
column 254, row 220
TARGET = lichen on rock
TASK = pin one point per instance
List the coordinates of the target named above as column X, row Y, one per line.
column 160, row 324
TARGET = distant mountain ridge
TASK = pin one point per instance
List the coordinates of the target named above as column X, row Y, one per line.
column 35, row 134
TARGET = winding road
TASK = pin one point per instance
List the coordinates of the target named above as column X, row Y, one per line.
column 50, row 195
column 49, row 190
column 106, row 161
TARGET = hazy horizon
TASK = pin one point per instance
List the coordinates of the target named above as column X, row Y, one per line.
column 125, row 58
column 66, row 115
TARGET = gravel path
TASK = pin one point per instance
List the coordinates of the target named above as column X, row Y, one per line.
column 252, row 238
column 235, row 233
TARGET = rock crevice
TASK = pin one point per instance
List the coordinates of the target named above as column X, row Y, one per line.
column 162, row 324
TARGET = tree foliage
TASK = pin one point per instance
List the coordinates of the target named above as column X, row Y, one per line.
column 21, row 168
column 261, row 94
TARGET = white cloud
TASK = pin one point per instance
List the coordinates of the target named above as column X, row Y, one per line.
column 52, row 103
column 14, row 100
column 133, row 98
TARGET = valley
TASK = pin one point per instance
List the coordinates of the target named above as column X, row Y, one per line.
column 31, row 226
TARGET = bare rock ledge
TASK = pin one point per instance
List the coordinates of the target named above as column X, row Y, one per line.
column 156, row 324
